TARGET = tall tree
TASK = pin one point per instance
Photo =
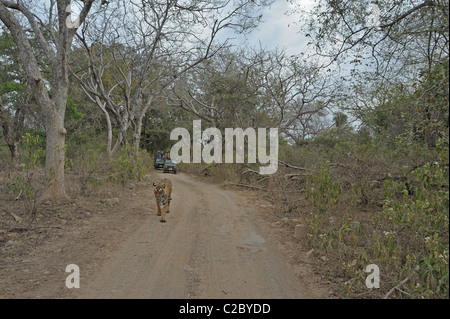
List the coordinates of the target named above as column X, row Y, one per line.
column 392, row 37
column 53, row 33
column 221, row 92
column 388, row 49
column 140, row 49
column 257, row 89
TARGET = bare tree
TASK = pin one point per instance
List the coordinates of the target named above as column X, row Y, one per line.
column 391, row 37
column 140, row 50
column 383, row 48
column 54, row 38
column 220, row 92
column 295, row 91
column 264, row 88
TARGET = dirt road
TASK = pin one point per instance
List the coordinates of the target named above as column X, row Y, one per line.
column 212, row 246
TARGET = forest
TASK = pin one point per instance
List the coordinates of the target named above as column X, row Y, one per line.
column 89, row 98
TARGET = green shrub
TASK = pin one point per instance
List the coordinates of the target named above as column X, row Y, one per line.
column 418, row 208
column 127, row 166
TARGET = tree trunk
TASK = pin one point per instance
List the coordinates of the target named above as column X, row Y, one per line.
column 137, row 135
column 55, row 153
column 109, row 149
column 14, row 150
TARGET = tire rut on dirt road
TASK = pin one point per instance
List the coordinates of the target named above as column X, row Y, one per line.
column 211, row 247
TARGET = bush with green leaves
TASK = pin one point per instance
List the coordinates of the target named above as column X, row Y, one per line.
column 23, row 183
column 406, row 234
column 127, row 165
column 417, row 208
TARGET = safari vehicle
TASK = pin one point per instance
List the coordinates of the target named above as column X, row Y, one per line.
column 159, row 163
column 170, row 166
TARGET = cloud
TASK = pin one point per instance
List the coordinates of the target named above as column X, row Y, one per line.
column 278, row 29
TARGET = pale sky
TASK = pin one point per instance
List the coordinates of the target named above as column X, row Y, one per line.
column 279, row 30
